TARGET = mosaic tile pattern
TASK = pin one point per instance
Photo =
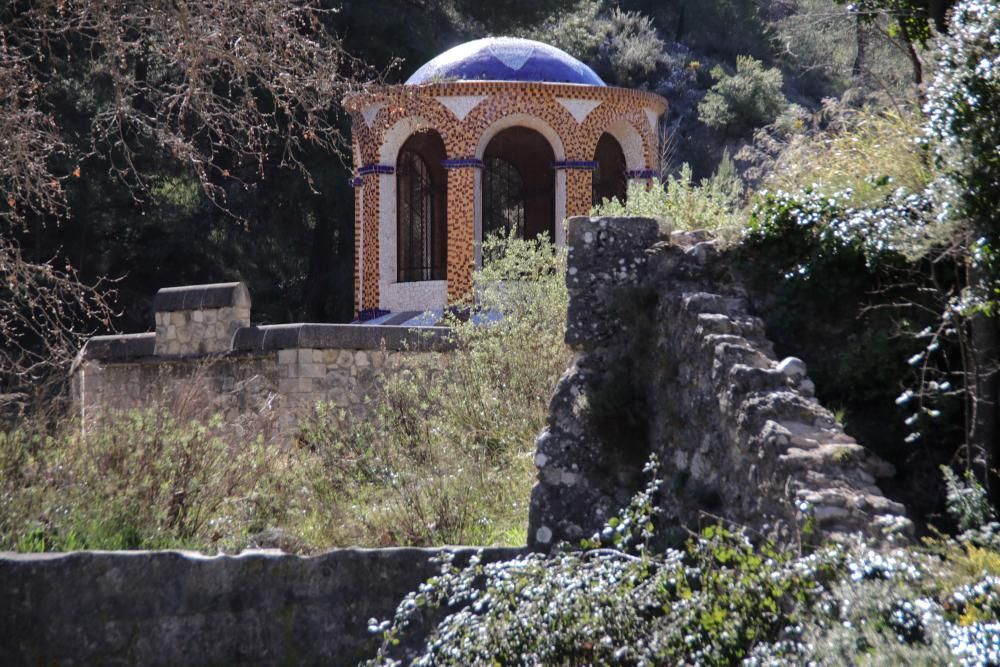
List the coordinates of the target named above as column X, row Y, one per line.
column 546, row 107
column 461, row 221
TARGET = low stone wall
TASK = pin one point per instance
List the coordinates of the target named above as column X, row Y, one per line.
column 283, row 369
column 672, row 363
column 176, row 608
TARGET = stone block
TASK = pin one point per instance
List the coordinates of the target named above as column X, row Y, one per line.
column 312, row 370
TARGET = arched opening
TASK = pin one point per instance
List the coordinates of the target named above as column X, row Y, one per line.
column 518, row 186
column 609, row 176
column 421, row 209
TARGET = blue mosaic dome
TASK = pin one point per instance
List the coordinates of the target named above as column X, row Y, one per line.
column 506, row 59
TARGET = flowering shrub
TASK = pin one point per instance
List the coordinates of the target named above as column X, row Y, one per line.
column 721, row 600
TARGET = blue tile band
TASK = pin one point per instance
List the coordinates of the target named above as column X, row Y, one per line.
column 642, row 173
column 376, row 169
column 461, row 163
column 356, row 182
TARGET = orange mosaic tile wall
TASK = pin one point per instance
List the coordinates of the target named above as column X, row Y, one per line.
column 578, row 116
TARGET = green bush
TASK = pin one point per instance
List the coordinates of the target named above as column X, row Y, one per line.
column 447, row 456
column 622, row 46
column 740, row 102
column 680, row 203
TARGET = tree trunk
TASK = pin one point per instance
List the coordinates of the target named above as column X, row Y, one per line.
column 985, row 385
column 915, row 63
column 861, row 40
column 321, row 263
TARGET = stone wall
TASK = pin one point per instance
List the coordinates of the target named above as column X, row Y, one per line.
column 671, row 362
column 205, row 353
column 175, row 608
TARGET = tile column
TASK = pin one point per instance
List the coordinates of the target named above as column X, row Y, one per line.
column 461, row 226
column 579, row 185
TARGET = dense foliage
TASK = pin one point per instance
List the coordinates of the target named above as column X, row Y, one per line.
column 680, row 203
column 720, row 600
column 447, row 455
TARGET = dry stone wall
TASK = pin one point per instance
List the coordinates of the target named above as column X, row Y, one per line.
column 671, row 362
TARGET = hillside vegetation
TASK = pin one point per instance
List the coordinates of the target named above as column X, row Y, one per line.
column 846, row 155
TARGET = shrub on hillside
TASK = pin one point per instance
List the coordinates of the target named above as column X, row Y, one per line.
column 680, row 203
column 865, row 153
column 747, row 99
column 621, row 45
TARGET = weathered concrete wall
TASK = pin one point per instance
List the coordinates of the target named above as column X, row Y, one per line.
column 175, row 608
column 671, row 362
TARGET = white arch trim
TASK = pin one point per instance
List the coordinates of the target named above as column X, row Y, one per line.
column 544, row 129
column 522, row 120
column 396, row 296
column 396, row 136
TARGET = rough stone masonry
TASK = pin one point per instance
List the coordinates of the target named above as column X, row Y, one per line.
column 670, row 362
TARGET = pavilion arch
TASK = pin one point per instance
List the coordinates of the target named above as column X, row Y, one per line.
column 407, row 286
column 610, row 177
column 529, row 122
column 631, row 143
column 394, row 138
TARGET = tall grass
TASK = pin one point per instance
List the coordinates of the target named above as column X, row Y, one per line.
column 870, row 153
column 141, row 479
column 446, row 457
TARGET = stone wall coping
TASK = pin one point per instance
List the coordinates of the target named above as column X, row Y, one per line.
column 272, row 337
column 120, row 347
column 200, row 297
column 490, row 553
column 350, row 336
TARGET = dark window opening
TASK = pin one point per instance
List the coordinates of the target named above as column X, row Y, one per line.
column 609, row 177
column 503, row 198
column 519, row 184
column 421, row 210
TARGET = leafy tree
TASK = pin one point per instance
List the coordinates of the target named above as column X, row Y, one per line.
column 111, row 110
column 912, row 20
